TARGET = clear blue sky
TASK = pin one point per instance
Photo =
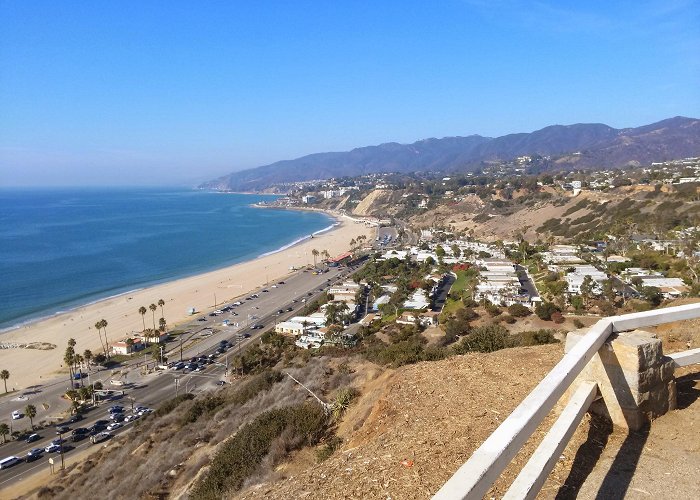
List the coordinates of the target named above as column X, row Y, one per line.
column 174, row 92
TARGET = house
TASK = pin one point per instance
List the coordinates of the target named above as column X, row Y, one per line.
column 290, row 328
column 384, row 299
column 151, row 337
column 308, row 199
column 127, row 346
column 428, row 318
column 418, row 300
column 317, row 319
column 575, row 279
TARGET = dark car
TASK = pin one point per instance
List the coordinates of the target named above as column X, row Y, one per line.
column 34, row 454
column 281, row 283
column 75, row 418
column 280, row 311
column 256, row 327
column 33, row 437
column 79, row 433
column 202, row 319
column 62, row 429
column 309, row 294
column 247, row 335
column 290, row 309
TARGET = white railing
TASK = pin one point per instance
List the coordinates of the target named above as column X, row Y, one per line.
column 473, row 479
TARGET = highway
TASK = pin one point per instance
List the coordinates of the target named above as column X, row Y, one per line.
column 153, row 388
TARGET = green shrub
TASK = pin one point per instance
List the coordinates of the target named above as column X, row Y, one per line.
column 536, row 337
column 544, row 310
column 239, row 457
column 486, row 338
column 328, row 448
column 578, row 323
column 518, row 311
column 206, row 404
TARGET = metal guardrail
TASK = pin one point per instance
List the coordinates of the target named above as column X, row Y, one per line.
column 474, row 478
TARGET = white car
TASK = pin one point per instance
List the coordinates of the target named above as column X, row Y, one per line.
column 52, row 448
column 16, row 415
column 113, row 426
column 131, row 418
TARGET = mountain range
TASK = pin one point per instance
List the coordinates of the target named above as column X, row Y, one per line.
column 583, row 145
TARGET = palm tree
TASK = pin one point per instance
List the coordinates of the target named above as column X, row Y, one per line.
column 4, row 430
column 69, row 360
column 161, row 324
column 315, row 253
column 161, row 303
column 87, row 354
column 326, row 256
column 78, row 360
column 142, row 312
column 30, row 411
column 153, row 308
column 98, row 325
column 104, row 327
column 4, row 375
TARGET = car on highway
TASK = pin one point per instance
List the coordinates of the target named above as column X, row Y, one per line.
column 131, row 418
column 116, row 417
column 114, row 426
column 256, row 327
column 221, row 382
column 281, row 283
column 116, row 409
column 34, row 454
column 32, row 438
column 75, row 418
column 79, row 433
column 247, row 335
column 52, row 448
column 98, row 438
column 266, row 290
column 202, row 319
column 289, row 309
column 280, row 311
column 62, row 429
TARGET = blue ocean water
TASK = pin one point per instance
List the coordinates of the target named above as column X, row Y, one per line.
column 61, row 248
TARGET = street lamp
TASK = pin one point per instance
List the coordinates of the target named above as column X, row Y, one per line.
column 60, row 443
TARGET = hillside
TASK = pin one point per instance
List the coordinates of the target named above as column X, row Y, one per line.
column 572, row 146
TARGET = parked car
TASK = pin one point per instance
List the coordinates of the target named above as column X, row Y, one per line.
column 16, row 415
column 113, row 426
column 116, row 417
column 131, row 418
column 62, row 429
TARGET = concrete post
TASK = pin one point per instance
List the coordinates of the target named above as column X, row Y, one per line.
column 634, row 378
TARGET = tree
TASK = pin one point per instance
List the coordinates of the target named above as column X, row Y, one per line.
column 69, row 360
column 336, row 312
column 4, row 431
column 30, row 411
column 518, row 311
column 587, row 287
column 87, row 354
column 315, row 253
column 4, row 375
column 161, row 303
column 153, row 308
column 440, row 252
column 142, row 312
column 161, row 324
column 456, row 251
column 649, row 293
column 98, row 327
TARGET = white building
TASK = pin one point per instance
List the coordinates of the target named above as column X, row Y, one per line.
column 575, row 279
column 418, row 300
column 290, row 328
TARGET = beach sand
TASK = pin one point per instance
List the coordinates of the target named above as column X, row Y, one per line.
column 32, row 366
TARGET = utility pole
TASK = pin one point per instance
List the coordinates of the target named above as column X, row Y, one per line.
column 181, row 348
column 326, row 407
column 177, row 379
column 60, row 439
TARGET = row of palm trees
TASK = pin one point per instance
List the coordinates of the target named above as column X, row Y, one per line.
column 74, row 360
column 324, row 254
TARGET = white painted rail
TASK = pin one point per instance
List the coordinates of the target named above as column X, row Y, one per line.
column 686, row 358
column 474, row 478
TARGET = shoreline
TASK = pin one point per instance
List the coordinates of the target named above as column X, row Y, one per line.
column 31, row 366
column 77, row 304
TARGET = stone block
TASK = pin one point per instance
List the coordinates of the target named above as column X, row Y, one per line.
column 633, row 377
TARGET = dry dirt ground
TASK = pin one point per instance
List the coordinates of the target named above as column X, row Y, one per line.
column 414, row 426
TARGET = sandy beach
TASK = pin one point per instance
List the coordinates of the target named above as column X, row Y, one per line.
column 33, row 366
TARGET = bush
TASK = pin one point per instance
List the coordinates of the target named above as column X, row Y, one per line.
column 487, row 338
column 207, row 404
column 492, row 309
column 256, row 385
column 537, row 337
column 328, row 448
column 544, row 310
column 239, row 457
column 557, row 317
column 518, row 311
column 508, row 319
column 173, row 403
column 578, row 323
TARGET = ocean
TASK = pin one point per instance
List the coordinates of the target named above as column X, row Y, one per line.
column 62, row 248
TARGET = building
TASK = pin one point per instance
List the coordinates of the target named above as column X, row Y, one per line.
column 317, row 319
column 309, row 198
column 418, row 300
column 575, row 279
column 290, row 328
column 127, row 346
column 428, row 318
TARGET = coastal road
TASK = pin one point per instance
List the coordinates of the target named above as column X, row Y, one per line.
column 152, row 389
